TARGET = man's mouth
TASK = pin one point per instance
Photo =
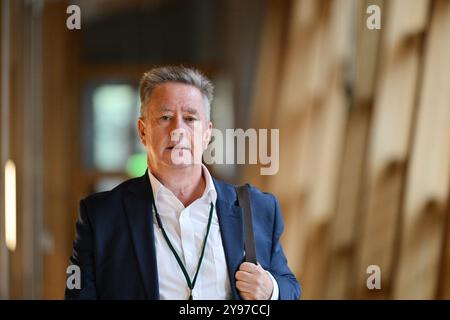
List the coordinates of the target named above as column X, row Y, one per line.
column 178, row 148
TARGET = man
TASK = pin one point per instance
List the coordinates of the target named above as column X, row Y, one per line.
column 176, row 232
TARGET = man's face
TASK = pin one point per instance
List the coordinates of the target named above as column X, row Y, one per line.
column 175, row 131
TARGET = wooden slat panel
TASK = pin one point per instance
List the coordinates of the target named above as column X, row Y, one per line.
column 341, row 279
column 387, row 154
column 328, row 123
column 267, row 79
column 344, row 230
column 295, row 99
column 330, row 253
column 277, row 88
column 428, row 177
column 406, row 18
column 269, row 64
column 294, row 237
column 365, row 57
column 302, row 57
column 292, row 107
column 444, row 274
column 292, row 114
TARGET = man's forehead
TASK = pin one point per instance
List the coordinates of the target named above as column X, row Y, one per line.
column 177, row 97
column 166, row 108
column 177, row 94
column 176, row 90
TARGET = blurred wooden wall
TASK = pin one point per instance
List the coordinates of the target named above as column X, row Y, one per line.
column 43, row 129
column 364, row 119
column 61, row 144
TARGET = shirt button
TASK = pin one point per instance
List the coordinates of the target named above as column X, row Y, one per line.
column 195, row 294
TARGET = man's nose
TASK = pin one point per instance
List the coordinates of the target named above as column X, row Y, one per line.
column 178, row 130
column 177, row 134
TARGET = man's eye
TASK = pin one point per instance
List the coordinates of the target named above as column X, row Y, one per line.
column 190, row 119
column 165, row 118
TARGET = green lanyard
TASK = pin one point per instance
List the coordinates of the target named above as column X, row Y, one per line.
column 191, row 284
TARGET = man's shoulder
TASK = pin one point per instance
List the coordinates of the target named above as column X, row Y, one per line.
column 112, row 196
column 259, row 197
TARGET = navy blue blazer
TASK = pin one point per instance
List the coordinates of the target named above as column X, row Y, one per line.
column 114, row 244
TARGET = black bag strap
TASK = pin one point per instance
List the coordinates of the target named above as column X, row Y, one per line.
column 243, row 194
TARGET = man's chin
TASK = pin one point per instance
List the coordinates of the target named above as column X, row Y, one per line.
column 180, row 162
column 180, row 165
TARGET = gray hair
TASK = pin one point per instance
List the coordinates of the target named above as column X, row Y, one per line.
column 156, row 76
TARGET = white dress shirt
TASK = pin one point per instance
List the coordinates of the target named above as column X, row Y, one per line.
column 186, row 229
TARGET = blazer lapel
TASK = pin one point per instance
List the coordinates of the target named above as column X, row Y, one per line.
column 139, row 213
column 232, row 231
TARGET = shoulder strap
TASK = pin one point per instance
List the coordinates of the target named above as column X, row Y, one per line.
column 243, row 194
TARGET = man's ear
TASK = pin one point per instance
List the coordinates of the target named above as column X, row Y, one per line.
column 141, row 129
column 208, row 135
